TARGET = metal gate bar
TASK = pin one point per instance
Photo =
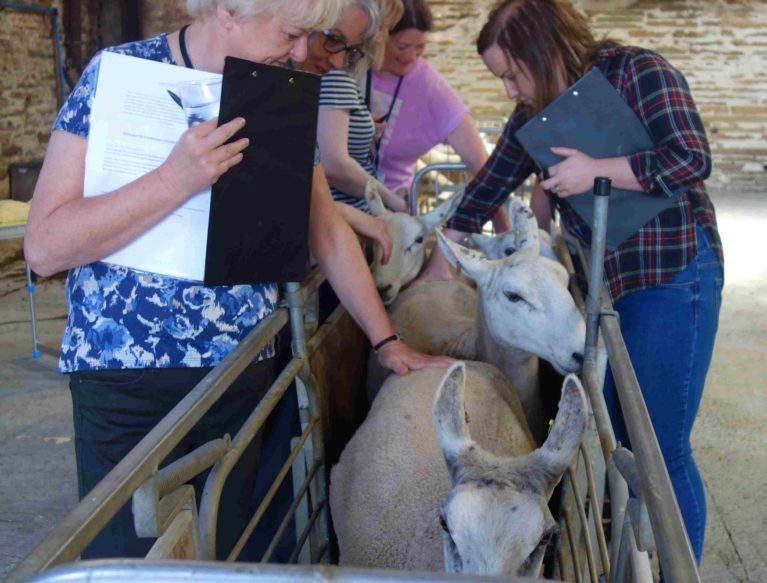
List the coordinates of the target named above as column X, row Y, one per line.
column 137, row 472
column 596, row 509
column 290, row 513
column 271, row 493
column 674, row 550
column 137, row 571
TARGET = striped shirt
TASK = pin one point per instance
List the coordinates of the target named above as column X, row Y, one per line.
column 665, row 245
column 340, row 91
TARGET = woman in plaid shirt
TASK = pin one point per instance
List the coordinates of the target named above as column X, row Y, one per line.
column 666, row 279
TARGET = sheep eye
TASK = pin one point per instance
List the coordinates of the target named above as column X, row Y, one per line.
column 539, row 548
column 546, row 539
column 513, row 297
column 508, row 251
column 443, row 523
column 419, row 240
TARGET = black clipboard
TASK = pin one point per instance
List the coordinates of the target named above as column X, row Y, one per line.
column 592, row 117
column 259, row 210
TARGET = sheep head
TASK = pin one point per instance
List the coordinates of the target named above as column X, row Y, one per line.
column 525, row 304
column 408, row 235
column 496, row 520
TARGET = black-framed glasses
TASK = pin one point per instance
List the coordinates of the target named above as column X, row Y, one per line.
column 335, row 44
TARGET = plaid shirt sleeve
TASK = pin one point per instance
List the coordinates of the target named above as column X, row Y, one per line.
column 660, row 96
column 507, row 167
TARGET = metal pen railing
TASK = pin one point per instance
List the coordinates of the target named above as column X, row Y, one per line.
column 637, row 525
column 201, row 572
column 418, row 178
column 160, row 498
column 647, row 522
column 646, row 472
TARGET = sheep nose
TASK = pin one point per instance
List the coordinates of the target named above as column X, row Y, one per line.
column 578, row 357
column 384, row 289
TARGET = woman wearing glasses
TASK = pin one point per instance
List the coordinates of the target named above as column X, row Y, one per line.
column 346, row 130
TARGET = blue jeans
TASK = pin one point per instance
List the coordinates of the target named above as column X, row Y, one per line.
column 669, row 332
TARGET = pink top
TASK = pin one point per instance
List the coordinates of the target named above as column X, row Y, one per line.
column 426, row 112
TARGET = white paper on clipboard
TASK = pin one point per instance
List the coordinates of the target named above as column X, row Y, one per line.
column 134, row 126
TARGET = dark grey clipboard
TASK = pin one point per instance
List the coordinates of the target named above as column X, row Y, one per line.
column 592, row 117
column 259, row 210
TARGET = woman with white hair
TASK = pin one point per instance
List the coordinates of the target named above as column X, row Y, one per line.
column 136, row 343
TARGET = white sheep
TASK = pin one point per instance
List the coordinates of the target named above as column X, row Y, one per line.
column 523, row 234
column 391, row 489
column 521, row 310
column 408, row 235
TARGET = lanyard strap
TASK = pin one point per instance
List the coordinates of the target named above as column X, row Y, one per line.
column 384, row 118
column 182, row 46
column 369, row 90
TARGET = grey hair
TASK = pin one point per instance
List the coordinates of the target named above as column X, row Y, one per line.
column 309, row 14
column 370, row 37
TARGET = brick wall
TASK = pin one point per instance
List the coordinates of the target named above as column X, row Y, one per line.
column 720, row 45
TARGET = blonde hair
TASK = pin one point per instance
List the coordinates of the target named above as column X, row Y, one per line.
column 391, row 12
column 309, row 14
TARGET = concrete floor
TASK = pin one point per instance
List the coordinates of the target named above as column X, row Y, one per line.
column 37, row 477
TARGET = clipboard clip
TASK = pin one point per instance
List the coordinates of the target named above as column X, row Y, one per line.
column 175, row 98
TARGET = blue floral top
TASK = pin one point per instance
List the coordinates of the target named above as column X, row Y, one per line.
column 120, row 318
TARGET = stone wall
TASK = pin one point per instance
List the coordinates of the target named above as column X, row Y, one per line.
column 28, row 87
column 720, row 45
column 162, row 16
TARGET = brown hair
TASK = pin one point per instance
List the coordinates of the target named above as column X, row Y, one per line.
column 417, row 14
column 548, row 36
column 391, row 12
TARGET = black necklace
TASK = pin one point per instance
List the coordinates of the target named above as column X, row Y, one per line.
column 182, row 46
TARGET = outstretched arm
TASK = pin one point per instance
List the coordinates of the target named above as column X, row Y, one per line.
column 338, row 252
column 468, row 144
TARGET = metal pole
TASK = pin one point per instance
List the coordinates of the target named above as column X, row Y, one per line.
column 674, row 550
column 452, row 166
column 32, row 315
column 618, row 489
column 602, row 187
column 59, row 59
column 319, row 490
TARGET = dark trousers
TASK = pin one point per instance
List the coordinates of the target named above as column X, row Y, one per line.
column 114, row 410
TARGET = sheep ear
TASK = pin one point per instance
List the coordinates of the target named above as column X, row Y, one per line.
column 450, row 417
column 375, row 204
column 485, row 243
column 472, row 263
column 524, row 229
column 560, row 447
column 442, row 212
